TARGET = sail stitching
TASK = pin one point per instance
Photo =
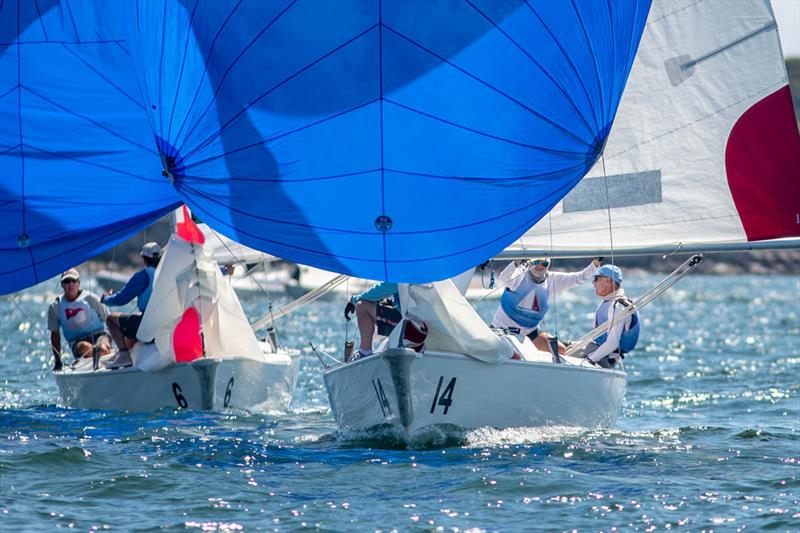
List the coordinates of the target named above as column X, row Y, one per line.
column 566, row 56
column 278, row 136
column 205, row 71
column 233, row 64
column 594, row 63
column 244, row 109
column 535, row 62
column 180, row 73
column 491, row 87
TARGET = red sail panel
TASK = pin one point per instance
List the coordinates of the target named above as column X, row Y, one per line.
column 762, row 160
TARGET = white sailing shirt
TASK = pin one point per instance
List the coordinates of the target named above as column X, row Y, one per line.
column 518, row 279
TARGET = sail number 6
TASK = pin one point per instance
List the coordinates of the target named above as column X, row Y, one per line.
column 446, row 398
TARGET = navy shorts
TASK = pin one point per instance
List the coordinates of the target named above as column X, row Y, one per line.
column 129, row 324
column 388, row 317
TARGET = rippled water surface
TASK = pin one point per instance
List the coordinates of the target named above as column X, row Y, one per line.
column 709, row 439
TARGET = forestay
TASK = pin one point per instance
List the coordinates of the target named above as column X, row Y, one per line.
column 705, row 148
column 388, row 140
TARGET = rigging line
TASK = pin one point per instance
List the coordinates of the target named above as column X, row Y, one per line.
column 269, row 297
column 682, row 270
column 205, row 70
column 610, row 230
column 245, row 108
column 307, row 298
column 555, row 299
column 535, row 62
column 491, row 87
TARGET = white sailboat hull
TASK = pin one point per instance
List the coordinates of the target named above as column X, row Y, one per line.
column 413, row 392
column 207, row 384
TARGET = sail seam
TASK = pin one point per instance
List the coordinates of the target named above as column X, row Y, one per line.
column 91, row 163
column 383, row 171
column 566, row 56
column 486, row 134
column 41, row 20
column 594, row 63
column 768, row 89
column 491, row 87
column 161, row 69
column 279, row 136
column 525, row 224
column 72, row 19
column 244, row 109
column 505, row 214
column 535, row 62
column 87, row 119
column 234, row 62
column 180, row 73
column 99, row 75
column 205, row 70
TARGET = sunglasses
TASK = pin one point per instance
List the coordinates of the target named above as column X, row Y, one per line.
column 597, row 278
column 544, row 262
column 68, row 281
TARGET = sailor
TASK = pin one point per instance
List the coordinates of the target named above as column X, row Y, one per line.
column 80, row 315
column 526, row 299
column 372, row 309
column 621, row 338
column 123, row 327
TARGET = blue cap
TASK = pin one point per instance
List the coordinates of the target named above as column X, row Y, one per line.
column 610, row 271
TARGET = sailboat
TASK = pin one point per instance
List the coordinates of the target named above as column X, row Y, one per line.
column 383, row 140
column 704, row 156
column 196, row 348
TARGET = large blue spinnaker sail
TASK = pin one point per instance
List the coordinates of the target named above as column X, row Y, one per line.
column 389, row 139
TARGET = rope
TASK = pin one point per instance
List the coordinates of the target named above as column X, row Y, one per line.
column 686, row 267
column 307, row 298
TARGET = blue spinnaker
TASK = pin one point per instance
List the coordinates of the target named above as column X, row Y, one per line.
column 393, row 140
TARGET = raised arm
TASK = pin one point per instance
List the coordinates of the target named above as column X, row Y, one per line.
column 561, row 281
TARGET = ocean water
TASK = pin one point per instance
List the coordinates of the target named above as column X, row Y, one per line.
column 709, row 439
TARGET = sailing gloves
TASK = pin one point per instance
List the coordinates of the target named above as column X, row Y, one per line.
column 349, row 309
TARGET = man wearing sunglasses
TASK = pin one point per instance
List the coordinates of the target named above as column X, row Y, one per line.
column 529, row 290
column 81, row 316
column 621, row 338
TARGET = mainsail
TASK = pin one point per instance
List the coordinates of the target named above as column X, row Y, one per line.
column 388, row 140
column 705, row 151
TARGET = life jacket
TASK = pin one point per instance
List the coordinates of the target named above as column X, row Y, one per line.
column 630, row 333
column 77, row 318
column 142, row 299
column 525, row 317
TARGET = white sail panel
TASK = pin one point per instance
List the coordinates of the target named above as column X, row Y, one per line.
column 186, row 277
column 453, row 324
column 705, row 147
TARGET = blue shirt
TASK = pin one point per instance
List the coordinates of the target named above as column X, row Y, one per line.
column 379, row 291
column 135, row 287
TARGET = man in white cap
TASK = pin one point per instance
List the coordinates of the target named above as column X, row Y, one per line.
column 81, row 316
column 621, row 338
column 123, row 327
column 526, row 299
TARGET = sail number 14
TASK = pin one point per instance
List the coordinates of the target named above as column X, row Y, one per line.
column 445, row 399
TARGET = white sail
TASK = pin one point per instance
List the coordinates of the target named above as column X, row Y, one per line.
column 453, row 324
column 227, row 251
column 186, row 278
column 704, row 149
